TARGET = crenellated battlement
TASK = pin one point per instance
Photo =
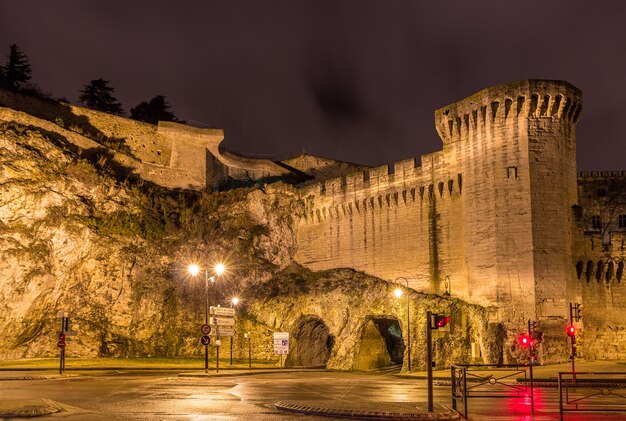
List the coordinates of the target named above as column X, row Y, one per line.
column 401, row 183
column 601, row 175
column 503, row 104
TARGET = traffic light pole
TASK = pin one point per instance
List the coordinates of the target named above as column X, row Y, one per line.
column 573, row 341
column 532, row 362
column 429, row 360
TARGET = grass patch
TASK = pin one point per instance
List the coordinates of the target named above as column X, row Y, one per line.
column 133, row 363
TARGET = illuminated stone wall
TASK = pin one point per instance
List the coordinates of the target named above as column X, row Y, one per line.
column 489, row 216
column 599, row 258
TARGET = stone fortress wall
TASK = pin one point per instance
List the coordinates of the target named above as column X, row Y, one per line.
column 498, row 217
column 599, row 256
column 487, row 219
column 169, row 154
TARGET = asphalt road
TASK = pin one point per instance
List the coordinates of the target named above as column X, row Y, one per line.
column 165, row 396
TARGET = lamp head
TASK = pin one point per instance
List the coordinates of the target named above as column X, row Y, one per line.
column 219, row 269
column 193, row 269
column 397, row 292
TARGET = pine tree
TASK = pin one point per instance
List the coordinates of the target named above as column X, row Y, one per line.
column 153, row 111
column 98, row 95
column 17, row 70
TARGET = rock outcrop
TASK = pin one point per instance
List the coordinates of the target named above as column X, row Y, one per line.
column 113, row 254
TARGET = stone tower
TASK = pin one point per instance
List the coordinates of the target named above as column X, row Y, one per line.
column 515, row 145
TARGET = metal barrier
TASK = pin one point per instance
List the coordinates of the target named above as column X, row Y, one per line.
column 592, row 391
column 489, row 381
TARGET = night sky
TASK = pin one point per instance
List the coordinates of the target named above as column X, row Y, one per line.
column 351, row 80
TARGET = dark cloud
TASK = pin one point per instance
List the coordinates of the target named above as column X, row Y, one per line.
column 353, row 80
column 335, row 91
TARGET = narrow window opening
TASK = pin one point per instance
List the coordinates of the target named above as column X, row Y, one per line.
column 589, row 270
column 511, row 172
column 599, row 271
column 596, row 222
column 579, row 268
column 609, row 272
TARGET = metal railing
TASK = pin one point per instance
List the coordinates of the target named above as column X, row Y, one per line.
column 489, row 381
column 592, row 391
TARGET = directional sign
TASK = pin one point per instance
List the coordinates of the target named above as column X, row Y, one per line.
column 222, row 321
column 223, row 331
column 61, row 344
column 281, row 342
column 222, row 311
column 205, row 329
column 205, row 340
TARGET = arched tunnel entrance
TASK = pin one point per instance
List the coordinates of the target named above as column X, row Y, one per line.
column 310, row 344
column 381, row 344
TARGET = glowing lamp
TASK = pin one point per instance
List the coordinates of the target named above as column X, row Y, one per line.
column 524, row 340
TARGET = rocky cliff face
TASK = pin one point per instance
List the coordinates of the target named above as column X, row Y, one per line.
column 114, row 255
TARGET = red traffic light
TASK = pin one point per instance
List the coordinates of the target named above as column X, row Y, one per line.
column 440, row 321
column 524, row 340
column 571, row 331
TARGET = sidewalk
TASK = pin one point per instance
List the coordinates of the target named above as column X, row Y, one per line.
column 541, row 373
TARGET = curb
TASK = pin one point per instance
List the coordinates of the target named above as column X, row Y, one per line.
column 50, row 377
column 35, row 408
column 250, row 373
column 447, row 414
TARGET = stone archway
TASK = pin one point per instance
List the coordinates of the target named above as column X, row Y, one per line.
column 311, row 344
column 380, row 345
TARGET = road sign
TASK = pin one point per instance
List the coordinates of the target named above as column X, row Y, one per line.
column 222, row 321
column 223, row 331
column 205, row 340
column 61, row 344
column 281, row 342
column 205, row 329
column 222, row 311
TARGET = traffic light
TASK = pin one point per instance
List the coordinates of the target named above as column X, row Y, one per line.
column 578, row 312
column 524, row 340
column 571, row 331
column 439, row 321
column 535, row 332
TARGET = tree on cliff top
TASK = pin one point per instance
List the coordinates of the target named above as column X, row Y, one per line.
column 153, row 111
column 17, row 70
column 98, row 95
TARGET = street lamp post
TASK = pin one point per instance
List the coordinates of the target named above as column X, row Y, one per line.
column 398, row 294
column 194, row 270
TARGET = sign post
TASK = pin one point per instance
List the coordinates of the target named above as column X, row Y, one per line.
column 223, row 325
column 247, row 336
column 281, row 344
column 65, row 321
